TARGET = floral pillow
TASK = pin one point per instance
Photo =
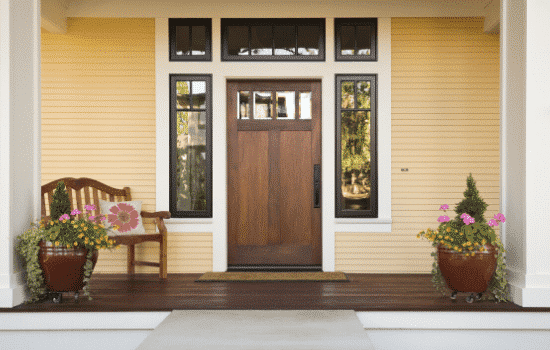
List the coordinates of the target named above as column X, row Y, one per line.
column 124, row 215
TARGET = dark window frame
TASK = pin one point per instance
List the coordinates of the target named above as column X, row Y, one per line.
column 369, row 22
column 173, row 144
column 373, row 78
column 175, row 22
column 226, row 22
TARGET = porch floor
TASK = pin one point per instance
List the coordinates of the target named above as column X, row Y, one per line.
column 363, row 292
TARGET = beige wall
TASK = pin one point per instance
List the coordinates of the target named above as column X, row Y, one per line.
column 445, row 124
column 98, row 121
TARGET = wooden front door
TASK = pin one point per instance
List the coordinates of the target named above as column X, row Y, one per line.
column 274, row 168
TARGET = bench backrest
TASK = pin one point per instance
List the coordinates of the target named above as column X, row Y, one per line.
column 84, row 191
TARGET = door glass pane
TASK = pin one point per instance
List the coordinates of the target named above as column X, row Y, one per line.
column 305, row 105
column 199, row 94
column 182, row 40
column 356, row 184
column 261, row 41
column 237, row 40
column 191, row 162
column 243, row 105
column 285, row 40
column 262, row 105
column 198, row 45
column 182, row 94
column 347, row 94
column 347, row 40
column 363, row 94
column 286, row 104
column 308, row 40
column 363, row 40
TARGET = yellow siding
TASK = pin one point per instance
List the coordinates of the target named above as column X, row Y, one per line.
column 445, row 124
column 98, row 121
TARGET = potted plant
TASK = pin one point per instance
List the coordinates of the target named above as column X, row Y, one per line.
column 60, row 251
column 470, row 255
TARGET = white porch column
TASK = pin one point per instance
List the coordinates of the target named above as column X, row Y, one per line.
column 525, row 120
column 19, row 136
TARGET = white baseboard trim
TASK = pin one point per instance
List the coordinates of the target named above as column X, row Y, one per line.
column 382, row 320
column 530, row 297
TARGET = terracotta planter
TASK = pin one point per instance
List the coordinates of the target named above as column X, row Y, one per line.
column 467, row 273
column 63, row 267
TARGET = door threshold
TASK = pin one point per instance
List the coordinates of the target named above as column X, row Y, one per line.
column 274, row 268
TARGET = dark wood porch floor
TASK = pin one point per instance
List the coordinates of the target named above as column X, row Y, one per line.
column 363, row 292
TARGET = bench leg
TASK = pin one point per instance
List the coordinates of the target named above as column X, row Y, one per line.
column 131, row 259
column 163, row 259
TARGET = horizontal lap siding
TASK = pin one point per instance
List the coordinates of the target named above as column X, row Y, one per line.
column 98, row 121
column 445, row 124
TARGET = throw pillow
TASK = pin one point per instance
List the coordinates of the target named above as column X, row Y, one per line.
column 125, row 215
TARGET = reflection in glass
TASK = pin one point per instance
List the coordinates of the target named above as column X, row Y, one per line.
column 182, row 94
column 347, row 94
column 183, row 46
column 199, row 94
column 243, row 105
column 363, row 40
column 305, row 105
column 363, row 94
column 198, row 40
column 347, row 40
column 237, row 40
column 285, row 40
column 356, row 184
column 191, row 164
column 261, row 41
column 262, row 105
column 308, row 40
column 286, row 104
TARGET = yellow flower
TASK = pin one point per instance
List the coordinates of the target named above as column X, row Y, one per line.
column 82, row 224
column 452, row 239
column 72, row 222
column 440, row 236
column 57, row 243
column 97, row 247
column 75, row 244
column 86, row 240
column 467, row 254
column 64, row 221
column 470, row 248
column 98, row 241
column 459, row 249
column 75, row 226
column 476, row 244
column 446, row 237
column 68, row 245
column 51, row 222
column 483, row 241
column 461, row 233
column 463, row 244
column 81, row 235
column 100, row 225
column 448, row 229
column 117, row 247
column 469, row 243
column 456, row 247
column 85, row 228
column 95, row 227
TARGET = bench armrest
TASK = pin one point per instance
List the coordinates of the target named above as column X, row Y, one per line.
column 159, row 216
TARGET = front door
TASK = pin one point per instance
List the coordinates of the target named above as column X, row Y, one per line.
column 274, row 169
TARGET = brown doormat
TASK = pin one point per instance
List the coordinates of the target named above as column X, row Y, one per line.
column 273, row 277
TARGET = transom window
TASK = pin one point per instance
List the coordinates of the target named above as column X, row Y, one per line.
column 281, row 105
column 356, row 161
column 273, row 39
column 190, row 39
column 355, row 39
column 190, row 145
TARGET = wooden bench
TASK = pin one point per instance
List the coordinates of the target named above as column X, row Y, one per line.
column 89, row 191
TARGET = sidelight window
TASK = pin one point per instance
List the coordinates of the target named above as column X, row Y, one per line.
column 190, row 145
column 356, row 162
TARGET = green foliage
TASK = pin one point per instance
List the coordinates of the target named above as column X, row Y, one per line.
column 28, row 248
column 61, row 203
column 472, row 204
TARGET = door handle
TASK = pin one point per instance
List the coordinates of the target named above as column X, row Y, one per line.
column 317, row 186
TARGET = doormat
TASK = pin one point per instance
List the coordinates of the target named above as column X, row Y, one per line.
column 273, row 277
column 259, row 330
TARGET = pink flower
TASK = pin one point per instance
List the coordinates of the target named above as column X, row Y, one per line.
column 465, row 215
column 469, row 220
column 443, row 218
column 500, row 217
column 64, row 217
column 76, row 212
column 90, row 207
column 124, row 216
column 492, row 223
column 91, row 218
column 444, row 207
